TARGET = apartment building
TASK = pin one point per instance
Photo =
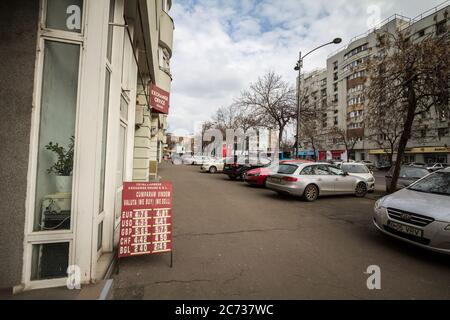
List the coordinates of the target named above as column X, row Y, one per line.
column 346, row 78
column 85, row 94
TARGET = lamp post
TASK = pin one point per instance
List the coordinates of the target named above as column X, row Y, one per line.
column 298, row 67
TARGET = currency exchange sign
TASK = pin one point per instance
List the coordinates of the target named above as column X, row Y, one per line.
column 146, row 219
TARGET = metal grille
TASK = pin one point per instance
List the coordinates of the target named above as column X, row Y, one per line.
column 408, row 217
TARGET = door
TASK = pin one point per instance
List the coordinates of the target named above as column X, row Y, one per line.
column 342, row 183
column 323, row 178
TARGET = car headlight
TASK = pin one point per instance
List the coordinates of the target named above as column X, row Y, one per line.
column 378, row 204
column 447, row 228
column 371, row 180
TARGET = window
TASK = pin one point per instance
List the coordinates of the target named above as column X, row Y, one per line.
column 357, row 50
column 441, row 27
column 49, row 261
column 320, row 170
column 308, row 171
column 421, row 33
column 335, row 171
column 64, row 15
column 56, row 133
column 287, row 169
column 104, row 140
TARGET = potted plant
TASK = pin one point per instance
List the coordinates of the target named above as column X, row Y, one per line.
column 63, row 167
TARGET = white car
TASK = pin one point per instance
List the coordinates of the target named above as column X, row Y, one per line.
column 213, row 166
column 195, row 160
column 418, row 214
column 361, row 171
column 368, row 163
column 437, row 166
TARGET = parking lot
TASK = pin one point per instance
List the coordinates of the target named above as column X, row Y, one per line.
column 232, row 241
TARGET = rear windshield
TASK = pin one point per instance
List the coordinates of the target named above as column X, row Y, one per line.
column 437, row 183
column 287, row 169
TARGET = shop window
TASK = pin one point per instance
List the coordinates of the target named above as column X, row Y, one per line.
column 65, row 15
column 104, row 141
column 49, row 261
column 56, row 136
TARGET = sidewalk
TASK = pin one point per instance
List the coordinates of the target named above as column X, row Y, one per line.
column 99, row 291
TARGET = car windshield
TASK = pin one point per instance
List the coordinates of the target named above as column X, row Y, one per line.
column 287, row 169
column 437, row 183
column 354, row 168
column 410, row 172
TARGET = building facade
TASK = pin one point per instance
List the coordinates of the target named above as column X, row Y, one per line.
column 346, row 77
column 79, row 75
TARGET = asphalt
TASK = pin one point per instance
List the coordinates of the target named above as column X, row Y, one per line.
column 233, row 241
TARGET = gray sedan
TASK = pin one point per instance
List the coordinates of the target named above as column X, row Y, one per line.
column 311, row 180
column 418, row 214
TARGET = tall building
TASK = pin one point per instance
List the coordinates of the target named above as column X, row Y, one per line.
column 85, row 94
column 346, row 78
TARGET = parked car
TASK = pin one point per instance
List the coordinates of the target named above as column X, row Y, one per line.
column 258, row 176
column 195, row 160
column 408, row 175
column 418, row 164
column 213, row 166
column 237, row 171
column 437, row 166
column 360, row 170
column 369, row 164
column 310, row 181
column 418, row 214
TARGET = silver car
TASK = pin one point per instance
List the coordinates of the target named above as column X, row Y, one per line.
column 418, row 214
column 311, row 180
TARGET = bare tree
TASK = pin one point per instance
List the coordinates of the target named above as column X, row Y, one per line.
column 384, row 126
column 347, row 138
column 412, row 77
column 271, row 102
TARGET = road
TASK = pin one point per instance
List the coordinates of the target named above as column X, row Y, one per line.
column 233, row 241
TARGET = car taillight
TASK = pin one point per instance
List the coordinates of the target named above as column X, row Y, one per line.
column 290, row 179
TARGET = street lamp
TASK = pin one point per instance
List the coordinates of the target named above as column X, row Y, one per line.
column 298, row 67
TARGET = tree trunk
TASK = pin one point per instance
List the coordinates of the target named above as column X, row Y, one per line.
column 412, row 105
column 280, row 138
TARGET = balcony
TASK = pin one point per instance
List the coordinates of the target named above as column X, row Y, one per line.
column 166, row 27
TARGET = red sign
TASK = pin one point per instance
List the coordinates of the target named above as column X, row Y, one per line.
column 146, row 220
column 159, row 99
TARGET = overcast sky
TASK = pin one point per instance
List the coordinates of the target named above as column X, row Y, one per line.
column 221, row 46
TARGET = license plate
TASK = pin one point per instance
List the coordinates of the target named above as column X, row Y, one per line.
column 276, row 180
column 406, row 229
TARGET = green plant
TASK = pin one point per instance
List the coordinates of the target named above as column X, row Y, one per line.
column 64, row 165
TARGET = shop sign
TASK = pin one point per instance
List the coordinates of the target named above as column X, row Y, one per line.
column 159, row 99
column 146, row 219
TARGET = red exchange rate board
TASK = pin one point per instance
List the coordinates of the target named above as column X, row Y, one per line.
column 146, row 219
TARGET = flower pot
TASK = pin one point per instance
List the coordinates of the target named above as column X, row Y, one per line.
column 63, row 184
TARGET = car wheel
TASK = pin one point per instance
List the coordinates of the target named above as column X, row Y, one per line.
column 361, row 190
column 212, row 170
column 232, row 178
column 311, row 193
